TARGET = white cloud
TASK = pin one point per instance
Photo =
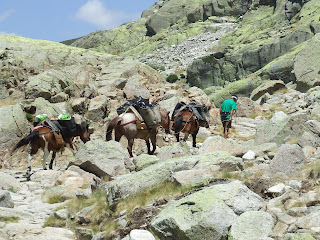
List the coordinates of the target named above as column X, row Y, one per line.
column 5, row 33
column 95, row 13
column 6, row 14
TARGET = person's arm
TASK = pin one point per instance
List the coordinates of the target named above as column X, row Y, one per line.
column 231, row 114
column 220, row 110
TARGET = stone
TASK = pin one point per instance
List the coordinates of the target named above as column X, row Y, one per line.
column 84, row 233
column 250, row 155
column 288, row 159
column 137, row 234
column 252, row 225
column 5, row 199
column 194, row 218
column 104, row 159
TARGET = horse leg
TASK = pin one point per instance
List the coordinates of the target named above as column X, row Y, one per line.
column 33, row 150
column 194, row 139
column 148, row 146
column 54, row 153
column 154, row 144
column 45, row 154
column 129, row 147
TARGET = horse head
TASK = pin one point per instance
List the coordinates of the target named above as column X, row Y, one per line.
column 84, row 132
column 204, row 112
column 165, row 121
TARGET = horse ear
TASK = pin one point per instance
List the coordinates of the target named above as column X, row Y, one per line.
column 90, row 130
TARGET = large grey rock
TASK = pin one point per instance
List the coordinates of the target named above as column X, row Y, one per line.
column 5, row 199
column 312, row 220
column 268, row 87
column 102, row 158
column 306, row 67
column 144, row 160
column 132, row 91
column 153, row 175
column 288, row 159
column 193, row 218
column 13, row 127
column 281, row 128
column 252, row 225
column 248, row 108
column 47, row 84
column 177, row 149
column 31, row 231
column 97, row 108
column 218, row 143
column 9, row 182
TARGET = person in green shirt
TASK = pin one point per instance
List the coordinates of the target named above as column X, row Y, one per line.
column 227, row 110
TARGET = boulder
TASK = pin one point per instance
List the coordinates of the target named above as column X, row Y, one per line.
column 193, row 218
column 177, row 149
column 97, row 108
column 252, row 225
column 162, row 171
column 248, row 108
column 9, row 182
column 144, row 160
column 218, row 143
column 13, row 127
column 288, row 159
column 281, row 128
column 193, row 177
column 5, row 199
column 306, row 67
column 132, row 91
column 267, row 87
column 104, row 159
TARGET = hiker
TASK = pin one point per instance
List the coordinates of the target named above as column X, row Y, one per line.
column 227, row 110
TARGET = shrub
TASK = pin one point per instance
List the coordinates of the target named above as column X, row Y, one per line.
column 172, row 78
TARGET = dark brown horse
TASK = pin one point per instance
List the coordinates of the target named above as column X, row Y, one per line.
column 186, row 122
column 126, row 125
column 43, row 137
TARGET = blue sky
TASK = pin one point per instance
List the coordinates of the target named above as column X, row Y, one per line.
column 59, row 20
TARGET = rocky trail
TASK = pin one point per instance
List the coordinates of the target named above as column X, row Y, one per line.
column 30, row 211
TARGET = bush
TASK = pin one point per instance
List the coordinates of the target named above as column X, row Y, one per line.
column 172, row 78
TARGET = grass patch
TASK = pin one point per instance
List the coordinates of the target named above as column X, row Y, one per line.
column 157, row 192
column 55, row 199
column 313, row 169
column 99, row 214
column 9, row 219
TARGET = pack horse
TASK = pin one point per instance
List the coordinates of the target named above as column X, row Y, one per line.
column 46, row 138
column 131, row 125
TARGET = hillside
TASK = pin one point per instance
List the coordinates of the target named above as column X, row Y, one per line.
column 260, row 183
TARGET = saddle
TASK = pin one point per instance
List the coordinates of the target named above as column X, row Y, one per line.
column 200, row 112
column 148, row 114
column 56, row 131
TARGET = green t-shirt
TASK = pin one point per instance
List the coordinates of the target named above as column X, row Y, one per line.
column 228, row 105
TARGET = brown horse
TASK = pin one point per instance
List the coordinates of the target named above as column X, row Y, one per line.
column 126, row 125
column 186, row 122
column 43, row 137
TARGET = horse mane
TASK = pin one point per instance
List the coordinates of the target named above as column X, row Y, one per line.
column 114, row 122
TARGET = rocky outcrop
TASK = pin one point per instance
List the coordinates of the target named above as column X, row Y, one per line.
column 92, row 158
column 193, row 218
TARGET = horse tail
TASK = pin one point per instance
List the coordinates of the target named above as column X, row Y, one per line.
column 32, row 137
column 112, row 124
column 177, row 125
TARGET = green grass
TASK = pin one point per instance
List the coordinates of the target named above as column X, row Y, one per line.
column 9, row 219
column 157, row 192
column 102, row 218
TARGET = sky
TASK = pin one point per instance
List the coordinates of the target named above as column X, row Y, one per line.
column 59, row 20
